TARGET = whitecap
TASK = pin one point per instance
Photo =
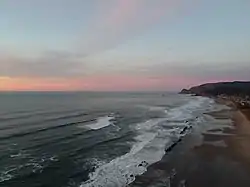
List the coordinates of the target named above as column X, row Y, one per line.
column 151, row 141
column 100, row 123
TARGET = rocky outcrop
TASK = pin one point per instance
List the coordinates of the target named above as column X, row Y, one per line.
column 185, row 91
column 221, row 88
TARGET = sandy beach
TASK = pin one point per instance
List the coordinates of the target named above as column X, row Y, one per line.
column 216, row 156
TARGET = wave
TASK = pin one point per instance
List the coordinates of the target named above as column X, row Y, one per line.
column 27, row 114
column 33, row 165
column 122, row 170
column 100, row 123
column 40, row 122
column 105, row 142
column 152, row 141
column 45, row 129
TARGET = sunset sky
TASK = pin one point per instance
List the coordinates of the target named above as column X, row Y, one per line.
column 122, row 45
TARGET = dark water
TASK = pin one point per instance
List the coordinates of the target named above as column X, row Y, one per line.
column 88, row 139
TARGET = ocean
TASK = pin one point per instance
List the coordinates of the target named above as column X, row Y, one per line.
column 90, row 139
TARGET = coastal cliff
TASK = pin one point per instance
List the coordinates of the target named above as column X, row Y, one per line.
column 236, row 88
column 236, row 94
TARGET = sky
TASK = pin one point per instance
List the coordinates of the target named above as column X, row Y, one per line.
column 122, row 45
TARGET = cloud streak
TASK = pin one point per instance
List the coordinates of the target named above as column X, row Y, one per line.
column 203, row 72
column 118, row 23
column 126, row 20
column 123, row 21
column 49, row 64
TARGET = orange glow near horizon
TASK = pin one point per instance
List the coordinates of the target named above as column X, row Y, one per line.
column 94, row 83
column 35, row 84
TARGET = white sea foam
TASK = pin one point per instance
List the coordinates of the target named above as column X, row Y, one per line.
column 150, row 144
column 187, row 111
column 100, row 123
column 34, row 165
column 122, row 171
column 5, row 175
column 20, row 154
column 152, row 108
column 219, row 143
column 156, row 108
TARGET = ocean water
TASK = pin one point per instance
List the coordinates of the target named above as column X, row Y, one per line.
column 89, row 139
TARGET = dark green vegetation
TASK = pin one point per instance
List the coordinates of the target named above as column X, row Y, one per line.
column 222, row 88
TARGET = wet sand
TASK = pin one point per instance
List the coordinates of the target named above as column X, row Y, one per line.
column 216, row 156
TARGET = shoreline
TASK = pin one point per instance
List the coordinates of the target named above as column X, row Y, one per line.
column 218, row 156
column 241, row 141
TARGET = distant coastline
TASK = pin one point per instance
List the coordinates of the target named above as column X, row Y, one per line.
column 237, row 93
column 221, row 143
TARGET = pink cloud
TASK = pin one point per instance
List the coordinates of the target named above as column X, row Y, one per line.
column 95, row 83
column 37, row 84
column 127, row 83
column 123, row 11
column 103, row 83
column 125, row 20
